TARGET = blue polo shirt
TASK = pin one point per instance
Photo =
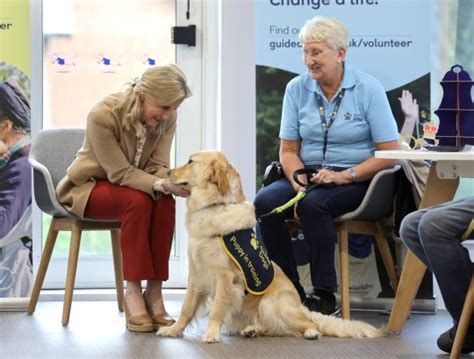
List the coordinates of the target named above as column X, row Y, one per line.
column 364, row 119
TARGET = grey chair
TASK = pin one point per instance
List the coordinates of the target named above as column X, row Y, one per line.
column 376, row 206
column 52, row 151
column 368, row 218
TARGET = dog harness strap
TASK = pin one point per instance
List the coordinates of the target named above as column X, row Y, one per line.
column 250, row 255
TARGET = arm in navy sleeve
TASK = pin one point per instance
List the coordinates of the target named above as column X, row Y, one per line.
column 15, row 193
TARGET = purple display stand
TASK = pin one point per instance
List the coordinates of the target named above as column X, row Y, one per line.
column 456, row 111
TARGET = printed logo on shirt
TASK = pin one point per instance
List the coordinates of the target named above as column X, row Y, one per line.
column 353, row 117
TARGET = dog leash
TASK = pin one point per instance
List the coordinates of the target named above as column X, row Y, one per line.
column 301, row 194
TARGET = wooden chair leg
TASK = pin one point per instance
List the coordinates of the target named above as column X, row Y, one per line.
column 118, row 269
column 384, row 249
column 71, row 270
column 343, row 242
column 43, row 266
column 463, row 322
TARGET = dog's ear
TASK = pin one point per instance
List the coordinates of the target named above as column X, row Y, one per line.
column 218, row 176
column 234, row 179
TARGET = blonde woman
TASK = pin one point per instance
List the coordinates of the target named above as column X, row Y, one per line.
column 120, row 173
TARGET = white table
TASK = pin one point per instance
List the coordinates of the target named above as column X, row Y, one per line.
column 443, row 180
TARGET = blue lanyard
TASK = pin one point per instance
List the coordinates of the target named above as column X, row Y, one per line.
column 324, row 124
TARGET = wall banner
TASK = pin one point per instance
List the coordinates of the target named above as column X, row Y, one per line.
column 396, row 52
column 16, row 278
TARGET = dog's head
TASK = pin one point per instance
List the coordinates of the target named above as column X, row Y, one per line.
column 209, row 175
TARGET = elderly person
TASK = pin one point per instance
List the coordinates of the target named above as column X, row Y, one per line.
column 120, row 173
column 333, row 119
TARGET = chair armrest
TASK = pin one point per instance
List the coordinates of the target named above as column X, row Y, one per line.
column 378, row 200
column 44, row 191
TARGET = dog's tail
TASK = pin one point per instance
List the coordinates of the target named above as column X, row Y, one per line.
column 342, row 328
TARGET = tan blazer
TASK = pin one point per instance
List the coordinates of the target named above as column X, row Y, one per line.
column 108, row 152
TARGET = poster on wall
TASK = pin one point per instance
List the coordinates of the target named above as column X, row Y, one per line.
column 15, row 174
column 396, row 52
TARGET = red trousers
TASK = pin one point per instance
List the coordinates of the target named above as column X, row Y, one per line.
column 147, row 227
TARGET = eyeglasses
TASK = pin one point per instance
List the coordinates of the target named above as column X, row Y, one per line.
column 313, row 54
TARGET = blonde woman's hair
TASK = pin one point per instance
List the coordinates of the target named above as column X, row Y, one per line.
column 166, row 84
column 323, row 29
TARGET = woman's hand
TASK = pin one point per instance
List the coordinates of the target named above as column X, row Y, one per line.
column 165, row 186
column 177, row 191
column 326, row 176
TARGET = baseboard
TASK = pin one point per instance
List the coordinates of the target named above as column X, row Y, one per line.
column 21, row 304
column 379, row 304
column 14, row 304
column 426, row 306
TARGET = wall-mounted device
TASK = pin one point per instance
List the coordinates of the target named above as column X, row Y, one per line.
column 184, row 35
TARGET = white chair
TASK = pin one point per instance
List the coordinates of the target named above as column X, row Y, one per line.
column 52, row 151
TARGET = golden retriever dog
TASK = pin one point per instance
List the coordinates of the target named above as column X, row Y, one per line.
column 215, row 207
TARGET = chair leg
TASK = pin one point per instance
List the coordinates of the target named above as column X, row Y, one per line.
column 463, row 322
column 386, row 256
column 117, row 257
column 43, row 266
column 344, row 269
column 71, row 270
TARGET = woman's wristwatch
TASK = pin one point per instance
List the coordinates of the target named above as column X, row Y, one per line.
column 352, row 172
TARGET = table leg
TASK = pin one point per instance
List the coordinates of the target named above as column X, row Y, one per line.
column 437, row 191
column 410, row 280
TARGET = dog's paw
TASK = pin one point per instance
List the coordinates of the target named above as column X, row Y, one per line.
column 249, row 332
column 171, row 331
column 211, row 337
column 311, row 334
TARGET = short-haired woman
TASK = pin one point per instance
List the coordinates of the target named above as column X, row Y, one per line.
column 333, row 119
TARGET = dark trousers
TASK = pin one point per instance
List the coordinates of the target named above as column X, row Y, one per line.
column 147, row 227
column 316, row 211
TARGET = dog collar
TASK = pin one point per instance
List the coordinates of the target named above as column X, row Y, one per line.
column 250, row 255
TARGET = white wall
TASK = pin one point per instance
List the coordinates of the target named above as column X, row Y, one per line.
column 236, row 115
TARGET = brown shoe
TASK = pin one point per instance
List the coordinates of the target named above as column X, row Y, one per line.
column 159, row 320
column 138, row 323
column 162, row 320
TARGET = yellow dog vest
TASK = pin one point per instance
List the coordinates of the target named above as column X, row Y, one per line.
column 250, row 255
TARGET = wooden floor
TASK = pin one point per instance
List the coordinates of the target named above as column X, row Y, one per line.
column 97, row 330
